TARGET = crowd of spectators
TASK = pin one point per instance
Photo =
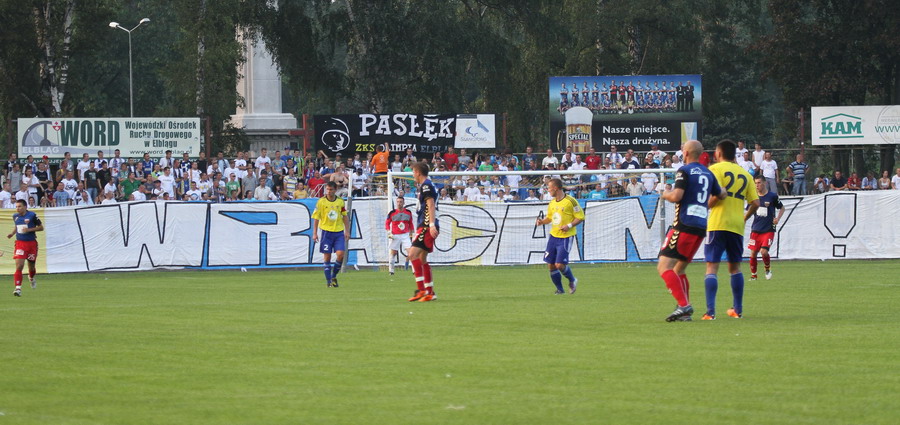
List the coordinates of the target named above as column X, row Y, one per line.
column 292, row 175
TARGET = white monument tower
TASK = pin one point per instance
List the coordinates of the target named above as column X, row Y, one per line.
column 259, row 84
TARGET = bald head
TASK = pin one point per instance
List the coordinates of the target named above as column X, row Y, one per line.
column 692, row 150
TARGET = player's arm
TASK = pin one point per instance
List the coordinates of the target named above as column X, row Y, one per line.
column 751, row 209
column 432, row 227
column 780, row 207
column 13, row 233
column 346, row 223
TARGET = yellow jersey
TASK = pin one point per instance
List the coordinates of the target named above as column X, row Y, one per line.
column 728, row 213
column 562, row 213
column 330, row 214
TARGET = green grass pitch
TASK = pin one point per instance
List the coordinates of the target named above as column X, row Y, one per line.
column 820, row 343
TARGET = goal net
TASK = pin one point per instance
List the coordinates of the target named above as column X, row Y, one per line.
column 488, row 217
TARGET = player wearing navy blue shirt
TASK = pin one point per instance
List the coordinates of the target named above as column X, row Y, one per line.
column 426, row 232
column 762, row 232
column 694, row 186
column 26, row 247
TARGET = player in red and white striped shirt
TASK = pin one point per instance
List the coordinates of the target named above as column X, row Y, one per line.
column 400, row 230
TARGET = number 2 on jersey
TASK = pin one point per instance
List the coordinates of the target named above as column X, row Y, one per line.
column 731, row 180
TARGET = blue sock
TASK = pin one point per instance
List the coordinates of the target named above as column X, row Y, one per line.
column 327, row 272
column 557, row 279
column 568, row 274
column 737, row 289
column 335, row 269
column 712, row 285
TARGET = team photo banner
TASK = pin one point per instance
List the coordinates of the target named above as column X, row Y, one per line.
column 425, row 134
column 855, row 125
column 165, row 235
column 132, row 136
column 630, row 112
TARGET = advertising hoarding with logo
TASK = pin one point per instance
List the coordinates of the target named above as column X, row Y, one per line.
column 133, row 137
column 630, row 112
column 424, row 134
column 855, row 125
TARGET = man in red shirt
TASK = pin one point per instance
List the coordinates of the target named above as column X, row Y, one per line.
column 450, row 158
column 593, row 160
column 315, row 185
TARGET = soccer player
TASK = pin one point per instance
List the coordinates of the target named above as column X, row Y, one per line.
column 331, row 216
column 426, row 233
column 694, row 186
column 26, row 248
column 565, row 213
column 726, row 227
column 400, row 228
column 763, row 231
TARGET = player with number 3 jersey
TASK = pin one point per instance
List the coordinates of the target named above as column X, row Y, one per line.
column 694, row 186
column 726, row 227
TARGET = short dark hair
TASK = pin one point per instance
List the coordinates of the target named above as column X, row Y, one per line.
column 421, row 167
column 557, row 182
column 22, row 201
column 728, row 148
column 331, row 185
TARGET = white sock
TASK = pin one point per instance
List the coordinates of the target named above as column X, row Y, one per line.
column 391, row 263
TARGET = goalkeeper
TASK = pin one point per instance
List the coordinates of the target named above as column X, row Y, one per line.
column 565, row 214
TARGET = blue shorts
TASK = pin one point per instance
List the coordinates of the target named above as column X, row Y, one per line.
column 558, row 250
column 332, row 242
column 720, row 242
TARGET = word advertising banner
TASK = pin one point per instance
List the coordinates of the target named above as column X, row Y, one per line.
column 132, row 136
column 855, row 125
column 630, row 112
column 157, row 235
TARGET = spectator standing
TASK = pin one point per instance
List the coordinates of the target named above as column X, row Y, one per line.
column 739, row 153
column 359, row 183
column 300, row 191
column 614, row 157
column 630, row 163
column 464, row 158
column 758, row 155
column 6, row 197
column 14, row 176
column 635, row 188
column 262, row 159
column 84, row 165
column 129, row 186
column 167, row 160
column 593, row 161
column 451, row 158
column 649, row 180
column 167, row 182
column 233, row 186
column 769, row 169
column 549, row 160
column 658, row 155
column 798, row 170
column 315, row 185
column 108, row 199
column 262, row 192
column 895, row 181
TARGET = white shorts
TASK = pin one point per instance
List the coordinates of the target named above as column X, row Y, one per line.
column 401, row 241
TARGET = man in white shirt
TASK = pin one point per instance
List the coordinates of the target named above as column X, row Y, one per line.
column 262, row 192
column 263, row 159
column 138, row 195
column 167, row 160
column 758, row 155
column 194, row 194
column 108, row 199
column 6, row 197
column 549, row 159
column 100, row 161
column 167, row 182
column 83, row 166
column 110, row 187
column 770, row 171
column 615, row 158
column 204, row 185
column 740, row 151
column 649, row 180
column 577, row 164
column 116, row 162
column 895, row 181
column 658, row 155
column 482, row 195
column 747, row 164
column 471, row 193
column 70, row 184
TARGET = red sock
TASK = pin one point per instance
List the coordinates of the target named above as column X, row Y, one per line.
column 753, row 264
column 767, row 260
column 419, row 273
column 673, row 282
column 687, row 287
column 17, row 277
column 31, row 274
column 426, row 273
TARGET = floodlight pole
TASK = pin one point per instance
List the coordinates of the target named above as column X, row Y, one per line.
column 130, row 72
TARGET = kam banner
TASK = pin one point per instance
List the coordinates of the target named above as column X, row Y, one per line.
column 424, row 134
column 132, row 136
column 165, row 235
column 630, row 112
column 855, row 125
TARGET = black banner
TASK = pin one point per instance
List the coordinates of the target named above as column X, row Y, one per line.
column 350, row 134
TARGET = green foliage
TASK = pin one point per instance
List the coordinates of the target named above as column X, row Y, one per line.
column 816, row 345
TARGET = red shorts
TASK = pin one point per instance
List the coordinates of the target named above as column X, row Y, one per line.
column 26, row 250
column 681, row 245
column 424, row 239
column 760, row 240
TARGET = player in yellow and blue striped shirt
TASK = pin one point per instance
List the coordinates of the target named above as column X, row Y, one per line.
column 565, row 213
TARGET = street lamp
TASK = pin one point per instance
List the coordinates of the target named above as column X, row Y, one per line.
column 130, row 78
